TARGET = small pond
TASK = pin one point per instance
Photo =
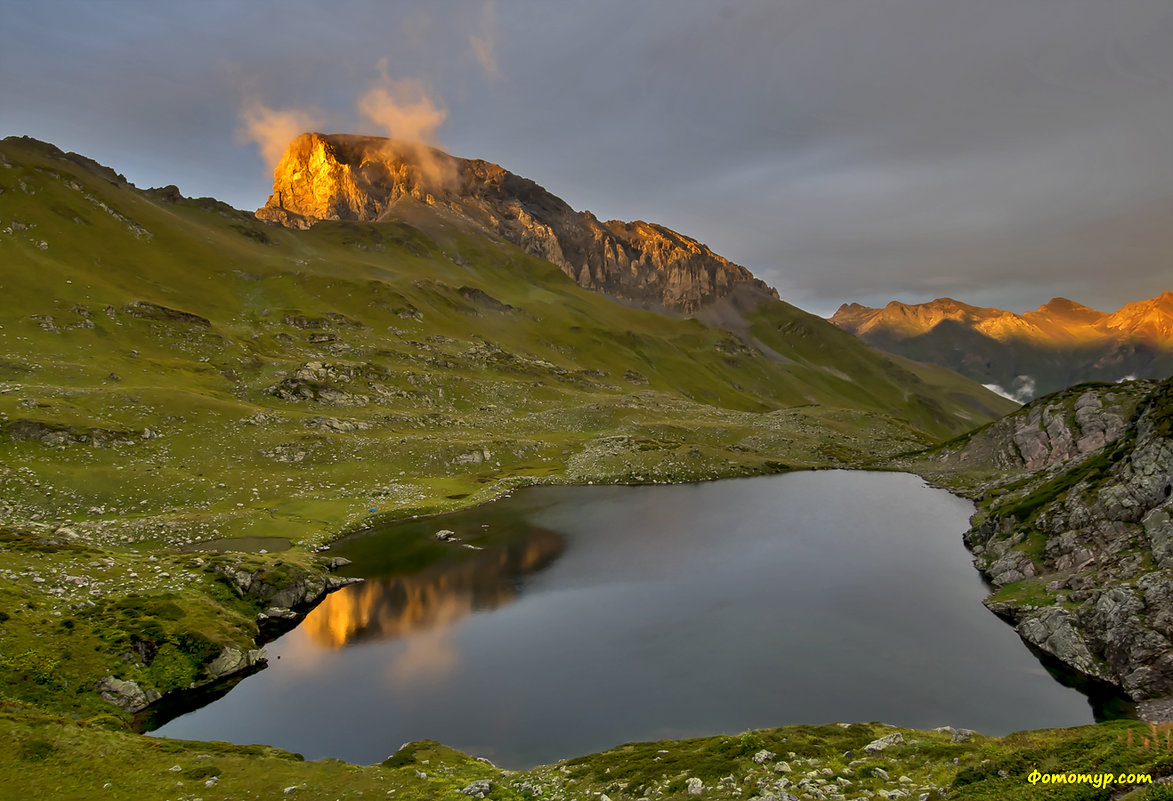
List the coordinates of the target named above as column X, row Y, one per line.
column 566, row 620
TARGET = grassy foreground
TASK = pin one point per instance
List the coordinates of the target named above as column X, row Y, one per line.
column 47, row 757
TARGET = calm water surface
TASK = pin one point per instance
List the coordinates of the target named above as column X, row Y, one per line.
column 595, row 616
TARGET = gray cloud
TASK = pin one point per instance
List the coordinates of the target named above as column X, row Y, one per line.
column 1002, row 152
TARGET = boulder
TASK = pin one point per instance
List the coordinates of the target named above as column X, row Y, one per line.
column 233, row 660
column 126, row 694
column 478, row 789
column 884, row 743
column 763, row 756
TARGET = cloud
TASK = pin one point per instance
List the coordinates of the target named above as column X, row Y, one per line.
column 410, row 113
column 1023, row 392
column 484, row 41
column 1025, row 388
column 405, row 108
column 273, row 129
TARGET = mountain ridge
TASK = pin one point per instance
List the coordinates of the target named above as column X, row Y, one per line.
column 362, row 178
column 1024, row 355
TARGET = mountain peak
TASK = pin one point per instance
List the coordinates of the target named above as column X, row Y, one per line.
column 1062, row 307
column 1150, row 319
column 367, row 178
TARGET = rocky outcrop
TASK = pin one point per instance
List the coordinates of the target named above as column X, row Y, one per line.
column 126, row 694
column 293, row 588
column 61, row 435
column 153, row 311
column 1049, row 431
column 1079, row 541
column 342, row 177
column 234, row 660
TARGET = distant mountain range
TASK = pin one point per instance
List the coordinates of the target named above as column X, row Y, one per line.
column 1024, row 355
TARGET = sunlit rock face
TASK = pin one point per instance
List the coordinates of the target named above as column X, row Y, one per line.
column 346, row 177
column 382, row 608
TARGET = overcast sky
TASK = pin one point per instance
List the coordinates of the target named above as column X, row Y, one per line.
column 1001, row 152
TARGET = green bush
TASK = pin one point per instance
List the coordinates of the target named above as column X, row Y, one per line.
column 35, row 750
column 37, row 667
column 199, row 647
column 171, row 668
column 201, row 772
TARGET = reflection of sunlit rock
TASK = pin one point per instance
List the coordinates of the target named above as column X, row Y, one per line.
column 393, row 607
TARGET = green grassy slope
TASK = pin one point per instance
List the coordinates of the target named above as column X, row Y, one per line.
column 443, row 350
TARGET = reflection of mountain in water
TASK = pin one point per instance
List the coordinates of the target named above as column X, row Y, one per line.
column 398, row 605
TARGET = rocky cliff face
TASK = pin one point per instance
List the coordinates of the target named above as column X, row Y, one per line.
column 1026, row 355
column 343, row 177
column 1078, row 539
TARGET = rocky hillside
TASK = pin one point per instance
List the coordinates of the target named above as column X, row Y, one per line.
column 1075, row 530
column 345, row 177
column 1024, row 355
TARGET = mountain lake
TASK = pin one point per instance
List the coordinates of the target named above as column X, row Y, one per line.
column 585, row 617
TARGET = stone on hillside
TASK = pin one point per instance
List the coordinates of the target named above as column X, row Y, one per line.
column 695, row 786
column 763, row 756
column 956, row 735
column 478, row 789
column 334, row 424
column 884, row 743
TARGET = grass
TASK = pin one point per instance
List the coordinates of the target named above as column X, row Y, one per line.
column 53, row 757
